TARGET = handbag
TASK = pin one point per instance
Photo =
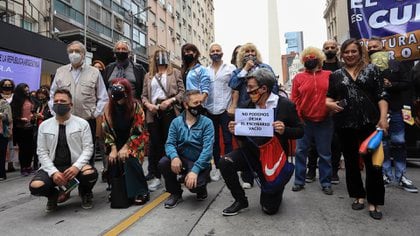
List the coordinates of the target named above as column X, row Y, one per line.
column 177, row 107
column 277, row 170
column 119, row 198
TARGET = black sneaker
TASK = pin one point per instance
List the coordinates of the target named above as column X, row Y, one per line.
column 173, row 201
column 235, row 208
column 87, row 201
column 52, row 202
column 387, row 181
column 149, row 176
column 327, row 190
column 201, row 196
column 297, row 188
column 335, row 179
column 310, row 176
column 407, row 185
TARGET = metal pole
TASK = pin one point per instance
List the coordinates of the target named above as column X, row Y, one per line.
column 85, row 24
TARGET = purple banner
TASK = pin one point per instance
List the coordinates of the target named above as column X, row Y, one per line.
column 21, row 69
column 397, row 22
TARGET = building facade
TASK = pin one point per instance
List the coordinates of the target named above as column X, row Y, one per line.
column 335, row 15
column 294, row 41
column 172, row 23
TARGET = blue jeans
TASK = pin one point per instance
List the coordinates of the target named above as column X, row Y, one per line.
column 321, row 134
column 394, row 146
column 222, row 121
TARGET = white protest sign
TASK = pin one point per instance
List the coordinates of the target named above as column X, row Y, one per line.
column 254, row 122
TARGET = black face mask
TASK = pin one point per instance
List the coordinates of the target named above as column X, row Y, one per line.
column 249, row 57
column 188, row 58
column 7, row 88
column 118, row 95
column 330, row 54
column 121, row 56
column 311, row 64
column 195, row 111
column 373, row 51
column 216, row 57
column 61, row 109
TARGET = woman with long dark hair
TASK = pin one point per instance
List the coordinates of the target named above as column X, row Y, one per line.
column 23, row 130
column 162, row 92
column 125, row 138
column 5, row 133
column 194, row 75
column 357, row 98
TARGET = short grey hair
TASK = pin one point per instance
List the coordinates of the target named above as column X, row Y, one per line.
column 81, row 45
column 264, row 76
column 187, row 95
column 123, row 41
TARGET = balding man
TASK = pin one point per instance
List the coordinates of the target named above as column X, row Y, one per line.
column 218, row 101
column 86, row 85
column 124, row 67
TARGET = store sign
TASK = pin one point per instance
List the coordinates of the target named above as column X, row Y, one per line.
column 21, row 69
column 397, row 22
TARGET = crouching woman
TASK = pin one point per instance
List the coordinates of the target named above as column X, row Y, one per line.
column 125, row 138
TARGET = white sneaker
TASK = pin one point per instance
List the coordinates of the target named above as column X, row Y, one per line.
column 215, row 175
column 246, row 185
column 154, row 184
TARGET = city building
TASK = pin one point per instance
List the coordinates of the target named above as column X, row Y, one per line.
column 294, row 41
column 336, row 18
column 172, row 23
column 291, row 66
column 44, row 28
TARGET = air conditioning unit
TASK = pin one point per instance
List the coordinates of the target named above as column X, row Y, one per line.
column 164, row 7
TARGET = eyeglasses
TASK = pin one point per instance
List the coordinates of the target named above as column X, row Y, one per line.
column 252, row 91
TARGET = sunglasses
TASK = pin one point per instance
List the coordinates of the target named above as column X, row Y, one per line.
column 253, row 91
column 117, row 88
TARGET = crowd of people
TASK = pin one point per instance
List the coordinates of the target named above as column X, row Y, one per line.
column 177, row 119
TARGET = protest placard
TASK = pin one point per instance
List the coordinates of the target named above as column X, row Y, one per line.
column 254, row 122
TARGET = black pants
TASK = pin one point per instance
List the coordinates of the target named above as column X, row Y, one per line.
column 173, row 185
column 92, row 125
column 3, row 149
column 375, row 191
column 220, row 121
column 87, row 181
column 135, row 181
column 235, row 161
column 335, row 155
column 24, row 139
column 158, row 130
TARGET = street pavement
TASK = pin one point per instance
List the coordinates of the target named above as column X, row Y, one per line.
column 309, row 212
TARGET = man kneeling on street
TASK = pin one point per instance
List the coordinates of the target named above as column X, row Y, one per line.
column 189, row 149
column 64, row 149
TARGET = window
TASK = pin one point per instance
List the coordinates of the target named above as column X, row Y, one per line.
column 118, row 24
column 126, row 4
column 134, row 8
column 95, row 11
column 142, row 39
column 162, row 23
column 171, row 31
column 152, row 17
column 27, row 25
column 169, row 7
column 162, row 2
column 106, row 17
column 127, row 30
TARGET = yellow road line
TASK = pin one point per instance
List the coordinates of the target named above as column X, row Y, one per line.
column 123, row 225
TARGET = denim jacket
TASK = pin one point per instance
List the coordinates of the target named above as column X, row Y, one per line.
column 238, row 83
column 198, row 78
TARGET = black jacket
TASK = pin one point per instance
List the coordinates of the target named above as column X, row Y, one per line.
column 139, row 73
column 286, row 112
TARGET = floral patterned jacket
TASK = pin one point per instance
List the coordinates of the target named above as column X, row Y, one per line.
column 138, row 135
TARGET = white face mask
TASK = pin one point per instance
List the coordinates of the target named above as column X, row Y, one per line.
column 75, row 58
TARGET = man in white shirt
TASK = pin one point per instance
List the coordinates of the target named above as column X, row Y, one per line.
column 218, row 101
column 86, row 85
column 64, row 149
